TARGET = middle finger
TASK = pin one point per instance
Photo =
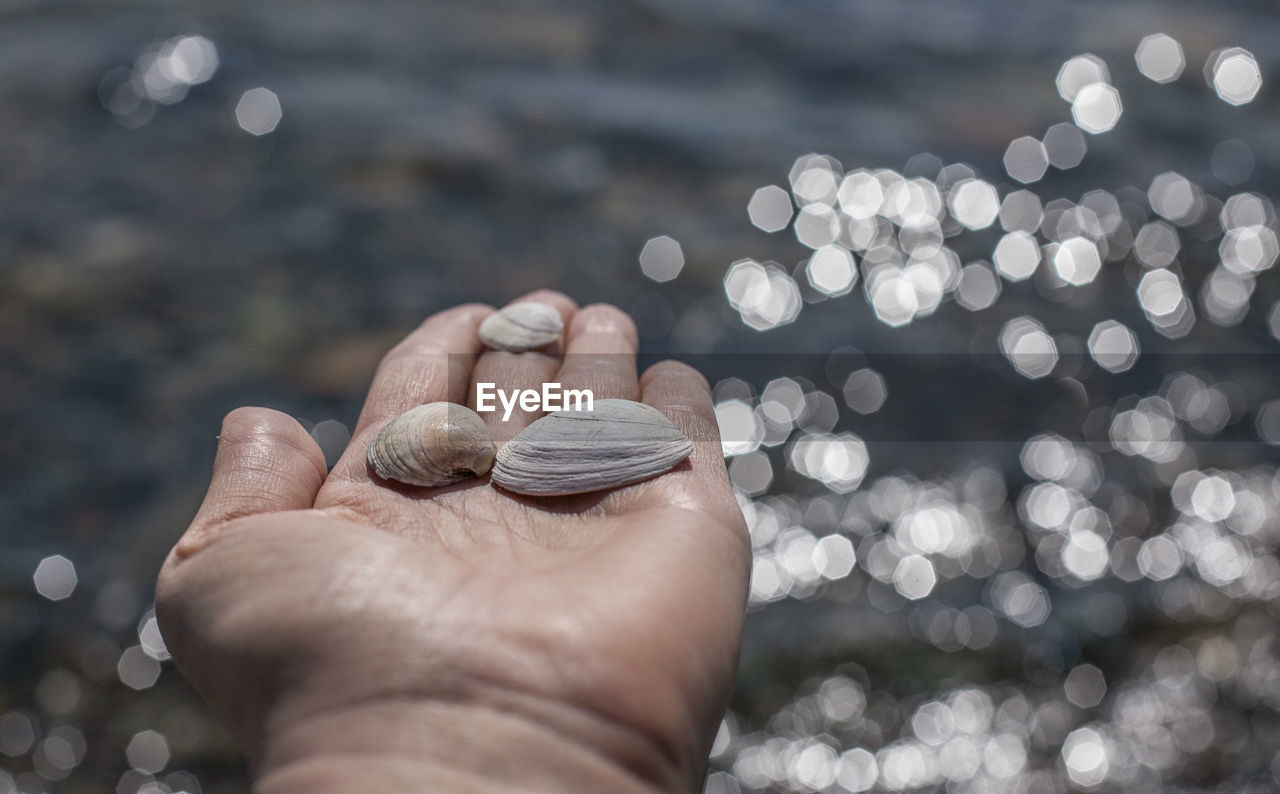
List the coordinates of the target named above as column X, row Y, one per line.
column 600, row 354
column 511, row 373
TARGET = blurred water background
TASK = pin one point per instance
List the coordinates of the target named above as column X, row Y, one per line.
column 991, row 327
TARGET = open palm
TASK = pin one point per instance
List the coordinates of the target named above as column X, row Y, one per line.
column 591, row 638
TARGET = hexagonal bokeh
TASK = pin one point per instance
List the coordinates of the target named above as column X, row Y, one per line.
column 974, row 203
column 763, row 294
column 817, row 225
column 914, row 577
column 838, row 461
column 1065, row 145
column 1156, row 244
column 831, row 270
column 751, row 473
column 1022, row 211
column 58, row 754
column 1077, row 261
column 1225, row 295
column 770, row 209
column 1164, row 303
column 1113, row 346
column 1175, row 198
column 864, row 391
column 1097, row 108
column 815, row 177
column 783, row 399
column 17, row 733
column 1026, row 159
column 1247, row 209
column 661, row 258
column 1084, row 754
column 1028, row 347
column 136, row 669
column 893, row 296
column 834, row 557
column 978, row 288
column 815, row 185
column 258, row 111
column 921, row 239
column 1212, row 498
column 148, row 751
column 860, row 195
column 1234, row 74
column 55, row 577
column 1160, row 292
column 908, row 201
column 1016, row 256
column 1249, row 250
column 1078, row 72
column 1159, row 58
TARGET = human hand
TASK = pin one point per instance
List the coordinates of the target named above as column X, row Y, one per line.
column 356, row 634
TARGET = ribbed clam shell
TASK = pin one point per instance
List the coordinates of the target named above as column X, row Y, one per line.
column 618, row 443
column 522, row 326
column 433, row 444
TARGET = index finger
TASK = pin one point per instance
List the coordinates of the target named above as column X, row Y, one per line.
column 431, row 364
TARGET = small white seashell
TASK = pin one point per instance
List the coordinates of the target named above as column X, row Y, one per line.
column 618, row 443
column 522, row 326
column 433, row 444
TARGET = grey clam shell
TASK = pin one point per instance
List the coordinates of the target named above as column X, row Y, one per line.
column 618, row 443
column 433, row 444
column 522, row 326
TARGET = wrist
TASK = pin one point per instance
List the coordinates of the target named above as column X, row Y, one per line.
column 412, row 745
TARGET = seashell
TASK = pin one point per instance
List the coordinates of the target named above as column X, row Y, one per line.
column 522, row 326
column 618, row 443
column 433, row 444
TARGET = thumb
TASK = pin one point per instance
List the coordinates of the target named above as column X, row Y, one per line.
column 266, row 463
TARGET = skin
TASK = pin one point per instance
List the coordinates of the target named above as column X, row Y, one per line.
column 360, row 635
